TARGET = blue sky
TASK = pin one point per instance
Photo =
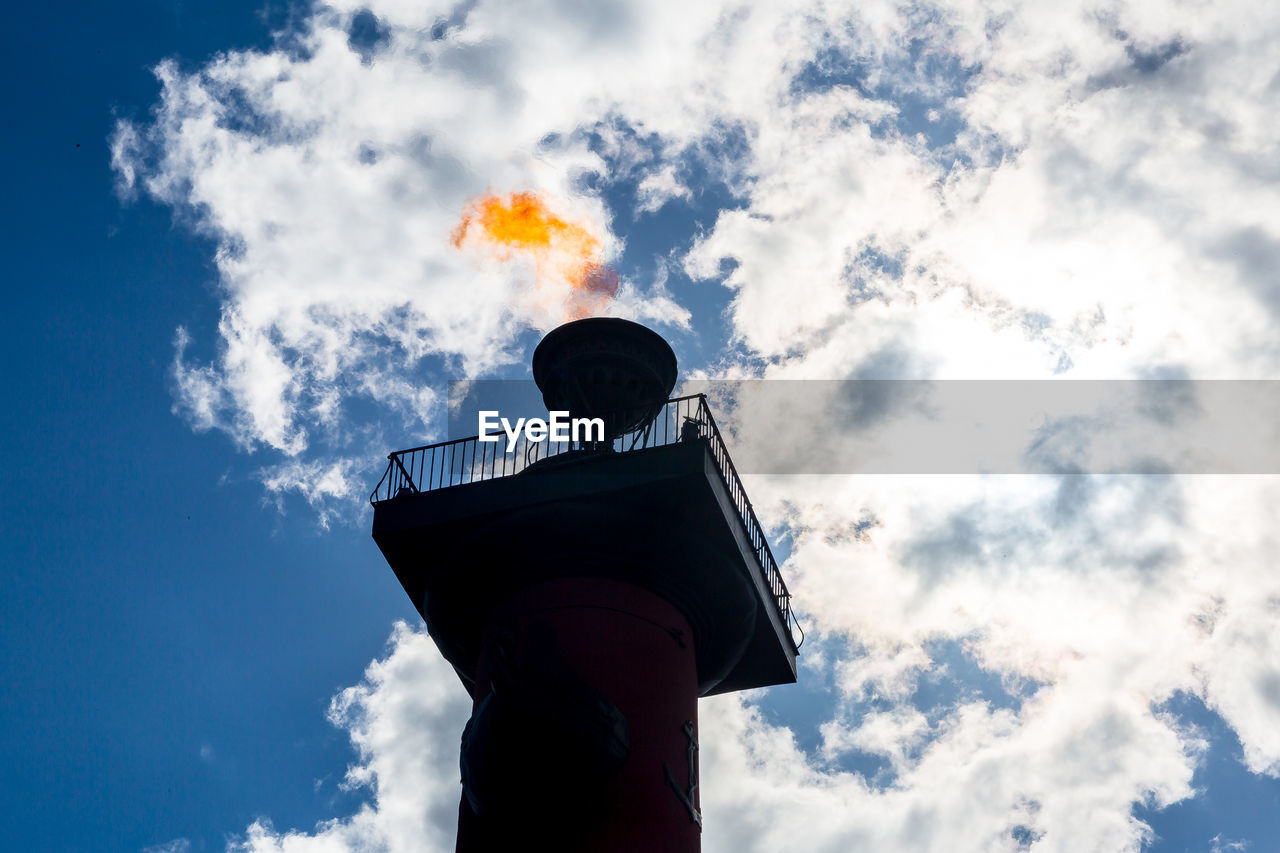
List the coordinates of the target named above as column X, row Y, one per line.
column 156, row 607
column 227, row 294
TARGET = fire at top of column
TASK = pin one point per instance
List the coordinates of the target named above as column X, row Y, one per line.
column 567, row 256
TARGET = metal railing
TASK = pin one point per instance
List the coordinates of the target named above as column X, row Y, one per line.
column 468, row 460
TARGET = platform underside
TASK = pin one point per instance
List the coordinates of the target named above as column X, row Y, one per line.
column 659, row 518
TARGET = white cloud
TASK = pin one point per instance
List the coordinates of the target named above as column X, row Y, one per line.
column 177, row 845
column 322, row 484
column 405, row 720
column 1094, row 599
column 954, row 190
column 988, row 776
column 983, row 774
column 658, row 188
column 1222, row 845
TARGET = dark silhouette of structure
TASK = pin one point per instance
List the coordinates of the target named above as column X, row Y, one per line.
column 587, row 595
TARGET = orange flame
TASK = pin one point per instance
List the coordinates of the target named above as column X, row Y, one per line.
column 566, row 255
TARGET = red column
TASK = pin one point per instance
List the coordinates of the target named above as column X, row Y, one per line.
column 636, row 651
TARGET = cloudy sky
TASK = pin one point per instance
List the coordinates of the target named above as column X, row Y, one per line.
column 235, row 281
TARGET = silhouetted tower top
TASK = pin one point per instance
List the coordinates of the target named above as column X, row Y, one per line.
column 608, row 368
column 634, row 568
